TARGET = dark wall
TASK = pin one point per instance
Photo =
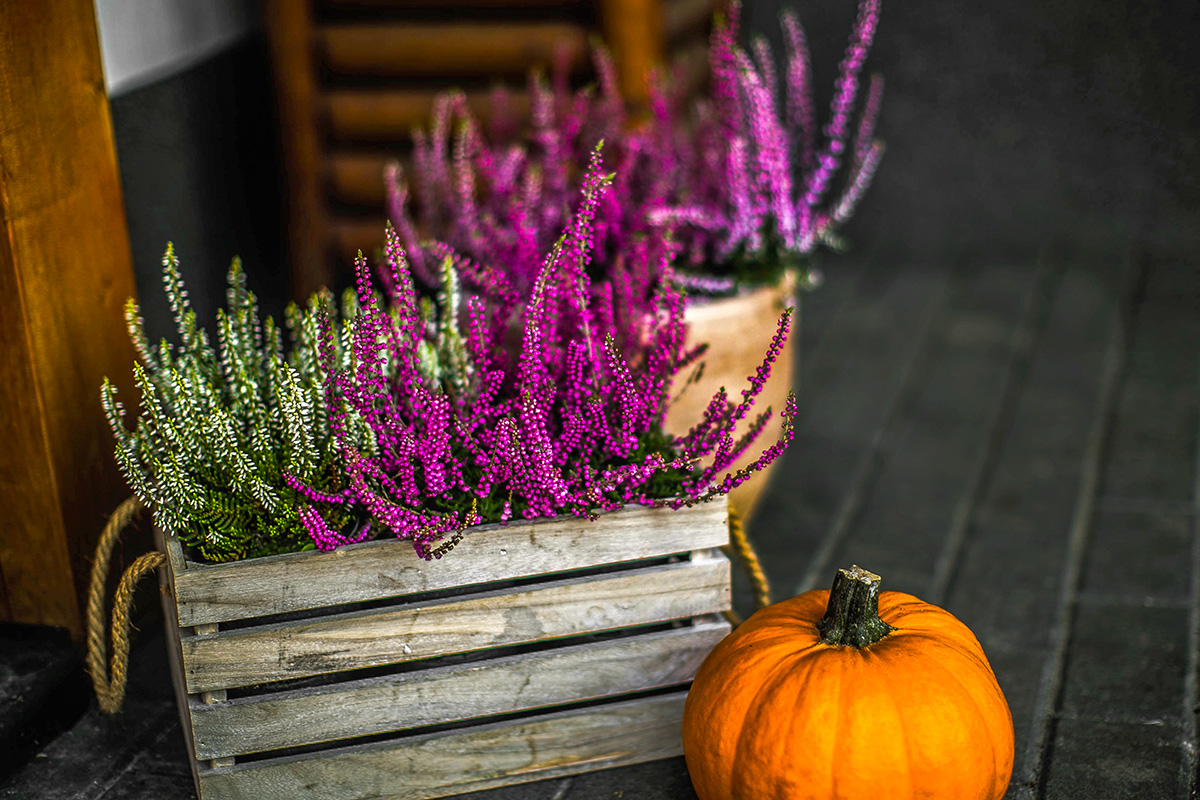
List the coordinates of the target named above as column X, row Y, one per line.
column 199, row 167
column 1013, row 125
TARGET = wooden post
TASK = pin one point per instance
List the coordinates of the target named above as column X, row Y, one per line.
column 65, row 272
column 633, row 29
column 289, row 25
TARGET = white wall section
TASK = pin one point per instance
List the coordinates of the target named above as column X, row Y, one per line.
column 144, row 41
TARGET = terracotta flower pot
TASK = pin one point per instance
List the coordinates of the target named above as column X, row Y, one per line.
column 738, row 330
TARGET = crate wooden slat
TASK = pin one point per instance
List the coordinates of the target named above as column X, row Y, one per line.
column 387, row 568
column 603, row 613
column 175, row 563
column 481, row 757
column 457, row 691
column 565, row 607
column 459, row 49
column 389, row 115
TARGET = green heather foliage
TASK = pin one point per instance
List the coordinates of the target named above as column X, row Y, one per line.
column 218, row 427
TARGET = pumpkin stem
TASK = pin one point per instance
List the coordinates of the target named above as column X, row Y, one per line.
column 852, row 616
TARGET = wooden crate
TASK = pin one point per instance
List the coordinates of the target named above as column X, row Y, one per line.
column 534, row 650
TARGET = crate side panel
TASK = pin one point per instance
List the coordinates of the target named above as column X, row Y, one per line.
column 208, row 593
column 480, row 757
column 166, row 586
column 549, row 610
column 455, row 692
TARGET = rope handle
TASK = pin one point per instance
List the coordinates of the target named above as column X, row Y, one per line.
column 739, row 543
column 111, row 693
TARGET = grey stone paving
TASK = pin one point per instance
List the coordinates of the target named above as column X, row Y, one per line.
column 1016, row 442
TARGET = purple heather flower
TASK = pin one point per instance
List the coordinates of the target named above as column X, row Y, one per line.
column 565, row 417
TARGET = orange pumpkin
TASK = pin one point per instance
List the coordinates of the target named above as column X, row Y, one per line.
column 848, row 694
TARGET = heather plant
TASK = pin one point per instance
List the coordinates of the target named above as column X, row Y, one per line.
column 219, row 427
column 503, row 200
column 760, row 176
column 570, row 420
column 743, row 180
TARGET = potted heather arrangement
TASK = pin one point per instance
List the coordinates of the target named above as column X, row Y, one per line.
column 752, row 178
column 585, row 585
column 572, row 422
column 740, row 181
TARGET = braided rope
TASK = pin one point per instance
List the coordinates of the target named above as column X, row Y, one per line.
column 739, row 543
column 111, row 693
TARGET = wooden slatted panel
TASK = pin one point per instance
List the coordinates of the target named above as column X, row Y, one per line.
column 481, row 757
column 389, row 115
column 548, row 610
column 208, row 593
column 464, row 691
column 356, row 179
column 491, row 49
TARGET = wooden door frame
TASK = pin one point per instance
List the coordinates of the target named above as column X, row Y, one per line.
column 65, row 273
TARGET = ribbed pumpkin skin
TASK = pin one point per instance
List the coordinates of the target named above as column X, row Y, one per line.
column 775, row 714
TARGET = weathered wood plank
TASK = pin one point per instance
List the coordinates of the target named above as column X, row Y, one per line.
column 486, row 49
column 1118, row 758
column 389, row 568
column 930, row 460
column 441, row 764
column 913, row 364
column 850, row 376
column 1029, row 770
column 1025, row 514
column 1154, row 434
column 489, row 619
column 461, row 691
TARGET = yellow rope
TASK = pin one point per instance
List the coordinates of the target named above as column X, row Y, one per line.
column 739, row 543
column 112, row 693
